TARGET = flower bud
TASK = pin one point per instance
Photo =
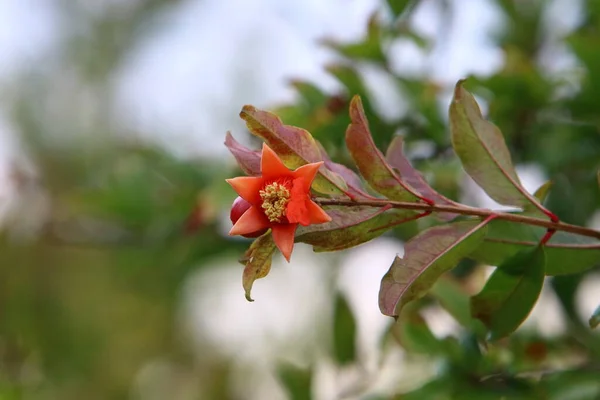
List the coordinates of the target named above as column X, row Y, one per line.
column 238, row 208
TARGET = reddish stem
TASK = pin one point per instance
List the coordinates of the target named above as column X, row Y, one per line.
column 463, row 210
column 547, row 236
column 428, row 201
column 553, row 217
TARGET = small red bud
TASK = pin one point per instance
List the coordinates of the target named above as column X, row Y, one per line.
column 238, row 208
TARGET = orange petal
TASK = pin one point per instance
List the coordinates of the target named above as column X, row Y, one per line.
column 308, row 172
column 296, row 209
column 251, row 221
column 283, row 235
column 247, row 187
column 271, row 165
column 316, row 213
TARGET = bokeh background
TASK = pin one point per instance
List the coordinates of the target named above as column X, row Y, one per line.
column 117, row 278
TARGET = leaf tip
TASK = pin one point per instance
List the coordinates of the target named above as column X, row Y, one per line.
column 458, row 89
column 357, row 111
column 246, row 111
column 356, row 101
column 247, row 295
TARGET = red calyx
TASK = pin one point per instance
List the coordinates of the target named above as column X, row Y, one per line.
column 238, row 208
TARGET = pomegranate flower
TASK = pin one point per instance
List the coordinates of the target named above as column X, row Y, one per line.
column 279, row 200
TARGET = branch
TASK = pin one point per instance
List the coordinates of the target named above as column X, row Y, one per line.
column 478, row 212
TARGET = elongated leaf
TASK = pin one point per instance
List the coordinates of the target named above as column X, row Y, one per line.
column 566, row 253
column 542, row 192
column 310, row 93
column 248, row 160
column 481, row 148
column 257, row 261
column 396, row 158
column 510, row 293
column 344, row 331
column 398, row 6
column 371, row 163
column 574, row 384
column 296, row 381
column 426, row 257
column 455, row 301
column 413, row 334
column 349, row 227
column 370, row 48
column 295, row 146
column 349, row 77
column 353, row 181
column 595, row 318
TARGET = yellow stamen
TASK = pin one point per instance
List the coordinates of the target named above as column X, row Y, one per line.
column 275, row 197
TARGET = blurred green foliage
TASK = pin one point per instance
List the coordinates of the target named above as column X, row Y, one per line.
column 89, row 291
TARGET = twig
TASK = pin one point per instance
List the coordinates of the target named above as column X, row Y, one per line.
column 477, row 212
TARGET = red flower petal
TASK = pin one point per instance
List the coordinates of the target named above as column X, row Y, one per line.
column 283, row 235
column 316, row 213
column 251, row 221
column 296, row 211
column 247, row 187
column 271, row 165
column 308, row 172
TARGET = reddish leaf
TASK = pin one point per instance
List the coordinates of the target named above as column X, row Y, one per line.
column 481, row 148
column 426, row 257
column 248, row 160
column 295, row 146
column 257, row 261
column 355, row 185
column 371, row 163
column 396, row 158
column 349, row 227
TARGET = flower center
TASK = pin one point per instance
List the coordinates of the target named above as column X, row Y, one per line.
column 275, row 197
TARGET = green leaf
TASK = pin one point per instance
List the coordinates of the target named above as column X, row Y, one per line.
column 481, row 148
column 348, row 77
column 349, row 227
column 456, row 302
column 510, row 293
column 426, row 257
column 542, row 192
column 566, row 253
column 257, row 261
column 398, row 6
column 413, row 334
column 295, row 146
column 577, row 384
column 297, row 381
column 397, row 160
column 344, row 331
column 371, row 163
column 595, row 318
column 309, row 92
column 367, row 49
